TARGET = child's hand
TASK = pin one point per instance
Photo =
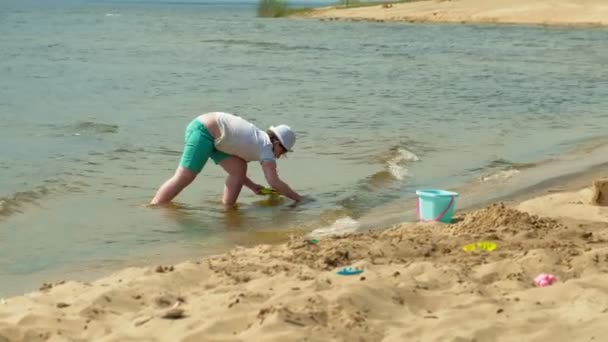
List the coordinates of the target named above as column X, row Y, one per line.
column 258, row 189
column 303, row 200
column 268, row 191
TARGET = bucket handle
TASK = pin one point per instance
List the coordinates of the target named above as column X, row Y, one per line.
column 438, row 218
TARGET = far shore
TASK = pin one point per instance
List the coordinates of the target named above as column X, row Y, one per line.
column 537, row 12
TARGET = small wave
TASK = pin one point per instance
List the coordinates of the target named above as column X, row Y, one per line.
column 500, row 175
column 271, row 45
column 113, row 14
column 395, row 161
column 168, row 152
column 82, row 128
column 93, row 127
column 341, row 226
column 15, row 203
column 381, row 178
column 395, row 167
column 506, row 169
column 498, row 163
column 307, row 48
column 401, row 55
column 128, row 150
column 329, row 216
column 243, row 42
column 397, row 164
column 123, row 150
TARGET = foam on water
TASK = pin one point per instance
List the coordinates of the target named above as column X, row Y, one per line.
column 342, row 226
column 397, row 166
column 500, row 175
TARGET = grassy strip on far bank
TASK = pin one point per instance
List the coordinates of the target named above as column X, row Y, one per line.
column 358, row 3
column 279, row 8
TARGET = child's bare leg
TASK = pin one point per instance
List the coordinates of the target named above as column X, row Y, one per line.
column 237, row 173
column 173, row 186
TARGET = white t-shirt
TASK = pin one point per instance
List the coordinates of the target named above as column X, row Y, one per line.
column 241, row 138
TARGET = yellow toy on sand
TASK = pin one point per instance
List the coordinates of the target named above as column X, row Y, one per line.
column 487, row 246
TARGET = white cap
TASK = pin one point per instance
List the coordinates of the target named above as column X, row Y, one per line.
column 286, row 136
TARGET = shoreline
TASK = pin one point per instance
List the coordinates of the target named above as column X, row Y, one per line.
column 400, row 211
column 568, row 182
column 568, row 13
column 416, row 277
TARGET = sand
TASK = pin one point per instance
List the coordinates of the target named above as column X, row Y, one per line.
column 545, row 12
column 418, row 284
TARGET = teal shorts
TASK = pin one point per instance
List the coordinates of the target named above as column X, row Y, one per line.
column 199, row 147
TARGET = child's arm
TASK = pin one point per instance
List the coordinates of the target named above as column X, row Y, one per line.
column 272, row 177
column 256, row 188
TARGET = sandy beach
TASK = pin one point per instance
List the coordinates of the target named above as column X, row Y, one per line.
column 418, row 284
column 379, row 117
column 544, row 12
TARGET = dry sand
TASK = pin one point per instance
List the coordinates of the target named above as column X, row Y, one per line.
column 418, row 285
column 546, row 12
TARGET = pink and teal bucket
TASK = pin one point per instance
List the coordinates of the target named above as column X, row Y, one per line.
column 435, row 205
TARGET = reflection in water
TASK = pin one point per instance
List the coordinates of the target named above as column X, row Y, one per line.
column 270, row 201
column 234, row 218
column 242, row 225
column 241, row 217
column 193, row 218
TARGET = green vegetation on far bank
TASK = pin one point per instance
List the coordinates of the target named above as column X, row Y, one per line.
column 278, row 8
column 281, row 8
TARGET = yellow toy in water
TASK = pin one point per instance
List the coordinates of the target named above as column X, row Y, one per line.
column 273, row 199
column 268, row 191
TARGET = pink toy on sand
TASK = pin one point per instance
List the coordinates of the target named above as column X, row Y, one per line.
column 544, row 279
